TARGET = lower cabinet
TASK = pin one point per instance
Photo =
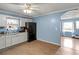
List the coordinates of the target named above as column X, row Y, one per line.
column 2, row 42
column 8, row 40
column 22, row 37
column 15, row 39
column 19, row 38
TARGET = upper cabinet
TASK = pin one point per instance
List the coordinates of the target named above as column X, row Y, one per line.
column 23, row 20
column 3, row 21
column 29, row 20
column 4, row 18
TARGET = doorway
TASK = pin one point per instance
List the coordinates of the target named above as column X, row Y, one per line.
column 70, row 30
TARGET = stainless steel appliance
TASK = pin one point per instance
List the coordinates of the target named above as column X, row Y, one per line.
column 31, row 29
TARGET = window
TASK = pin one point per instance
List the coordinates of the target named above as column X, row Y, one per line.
column 12, row 24
column 68, row 27
column 77, row 24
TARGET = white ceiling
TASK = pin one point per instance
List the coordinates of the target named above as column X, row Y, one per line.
column 44, row 8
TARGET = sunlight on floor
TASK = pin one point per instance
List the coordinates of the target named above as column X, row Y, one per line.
column 68, row 43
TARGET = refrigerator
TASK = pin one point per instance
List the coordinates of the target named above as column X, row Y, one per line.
column 31, row 31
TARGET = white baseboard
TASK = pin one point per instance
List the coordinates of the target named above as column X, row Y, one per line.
column 49, row 42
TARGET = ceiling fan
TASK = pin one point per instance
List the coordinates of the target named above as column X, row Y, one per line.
column 29, row 8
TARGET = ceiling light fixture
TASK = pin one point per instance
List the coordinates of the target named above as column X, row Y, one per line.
column 30, row 8
column 27, row 11
column 27, row 8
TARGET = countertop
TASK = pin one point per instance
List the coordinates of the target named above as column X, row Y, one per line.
column 6, row 34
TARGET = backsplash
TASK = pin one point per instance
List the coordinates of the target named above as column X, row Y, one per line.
column 5, row 30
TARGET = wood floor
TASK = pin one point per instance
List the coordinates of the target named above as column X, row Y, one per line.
column 68, row 42
column 40, row 48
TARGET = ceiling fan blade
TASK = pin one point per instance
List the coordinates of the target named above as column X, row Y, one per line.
column 34, row 6
column 35, row 9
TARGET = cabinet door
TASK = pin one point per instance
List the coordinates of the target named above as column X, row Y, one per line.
column 2, row 42
column 21, row 37
column 29, row 20
column 0, row 20
column 3, row 20
column 14, row 39
column 8, row 41
column 22, row 22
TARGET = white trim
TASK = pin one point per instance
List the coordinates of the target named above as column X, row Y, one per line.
column 49, row 42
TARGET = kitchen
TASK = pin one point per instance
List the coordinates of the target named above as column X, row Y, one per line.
column 9, row 35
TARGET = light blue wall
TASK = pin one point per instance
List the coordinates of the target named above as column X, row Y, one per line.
column 76, row 31
column 48, row 27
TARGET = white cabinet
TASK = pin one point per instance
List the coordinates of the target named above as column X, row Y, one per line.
column 23, row 37
column 15, row 39
column 29, row 20
column 2, row 42
column 19, row 38
column 3, row 20
column 8, row 40
column 22, row 21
